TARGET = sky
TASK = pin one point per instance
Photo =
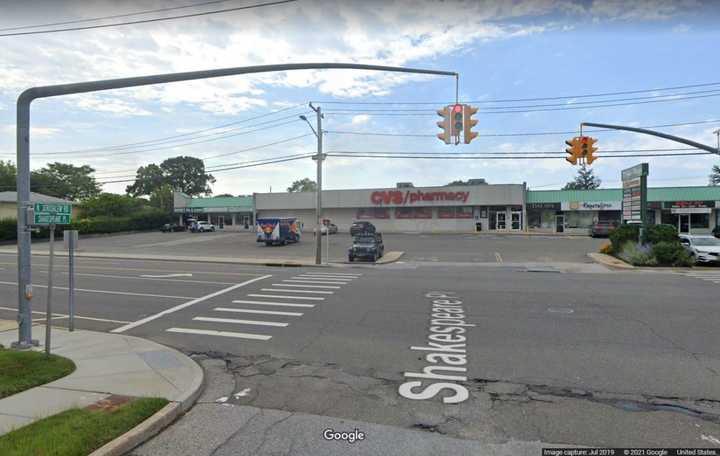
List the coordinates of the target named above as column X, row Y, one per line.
column 558, row 50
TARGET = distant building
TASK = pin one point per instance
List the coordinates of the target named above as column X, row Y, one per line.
column 8, row 203
column 228, row 212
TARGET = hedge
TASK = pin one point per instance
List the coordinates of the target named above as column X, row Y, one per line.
column 662, row 233
column 622, row 235
column 147, row 219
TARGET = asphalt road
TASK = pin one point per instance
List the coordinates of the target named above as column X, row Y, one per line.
column 594, row 358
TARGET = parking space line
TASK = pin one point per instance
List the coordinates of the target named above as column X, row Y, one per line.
column 241, row 322
column 264, row 303
column 124, row 293
column 315, row 281
column 303, row 286
column 187, row 304
column 210, row 332
column 498, row 258
column 80, row 317
column 261, row 312
column 296, row 291
column 306, row 298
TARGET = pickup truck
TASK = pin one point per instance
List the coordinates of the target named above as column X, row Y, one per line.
column 367, row 246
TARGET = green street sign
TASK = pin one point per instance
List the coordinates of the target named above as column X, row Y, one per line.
column 52, row 214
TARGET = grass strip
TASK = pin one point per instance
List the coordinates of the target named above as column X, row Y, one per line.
column 77, row 432
column 21, row 370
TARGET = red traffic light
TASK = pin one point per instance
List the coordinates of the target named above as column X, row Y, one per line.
column 457, row 108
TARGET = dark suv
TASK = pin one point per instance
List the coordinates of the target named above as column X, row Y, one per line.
column 361, row 227
column 367, row 246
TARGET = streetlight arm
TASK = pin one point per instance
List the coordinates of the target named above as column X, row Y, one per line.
column 689, row 142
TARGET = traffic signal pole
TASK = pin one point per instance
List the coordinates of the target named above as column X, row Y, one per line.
column 689, row 142
column 23, row 147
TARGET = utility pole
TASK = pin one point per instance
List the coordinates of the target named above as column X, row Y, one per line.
column 318, row 194
column 717, row 133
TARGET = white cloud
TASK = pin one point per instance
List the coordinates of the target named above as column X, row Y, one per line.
column 34, row 131
column 360, row 119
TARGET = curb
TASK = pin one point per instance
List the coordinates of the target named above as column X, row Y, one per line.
column 609, row 261
column 390, row 257
column 154, row 424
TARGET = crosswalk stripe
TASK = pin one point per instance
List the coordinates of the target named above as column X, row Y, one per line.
column 241, row 322
column 334, row 274
column 262, row 312
column 306, row 298
column 264, row 303
column 210, row 332
column 329, row 276
column 303, row 286
column 314, row 281
column 296, row 291
column 303, row 277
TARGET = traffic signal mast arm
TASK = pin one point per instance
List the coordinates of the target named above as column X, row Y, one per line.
column 689, row 142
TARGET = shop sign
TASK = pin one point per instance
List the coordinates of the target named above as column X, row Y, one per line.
column 591, row 205
column 634, row 202
column 402, row 198
column 688, row 204
column 551, row 206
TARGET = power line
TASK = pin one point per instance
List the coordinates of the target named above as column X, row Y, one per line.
column 145, row 21
column 502, row 152
column 508, row 100
column 257, row 147
column 494, row 157
column 116, row 16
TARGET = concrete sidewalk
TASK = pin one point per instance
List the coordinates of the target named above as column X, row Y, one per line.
column 107, row 364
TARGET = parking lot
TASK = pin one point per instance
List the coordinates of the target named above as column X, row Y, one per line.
column 463, row 248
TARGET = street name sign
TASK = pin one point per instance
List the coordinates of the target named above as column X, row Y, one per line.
column 52, row 214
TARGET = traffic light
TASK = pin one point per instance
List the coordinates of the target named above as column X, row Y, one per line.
column 469, row 123
column 445, row 124
column 573, row 150
column 588, row 150
column 457, row 121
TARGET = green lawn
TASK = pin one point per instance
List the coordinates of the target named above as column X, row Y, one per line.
column 77, row 432
column 21, row 370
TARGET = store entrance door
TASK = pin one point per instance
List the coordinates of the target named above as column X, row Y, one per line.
column 559, row 223
column 684, row 223
column 500, row 221
column 516, row 220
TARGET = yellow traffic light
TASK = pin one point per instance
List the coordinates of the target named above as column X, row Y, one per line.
column 469, row 123
column 589, row 149
column 573, row 150
column 445, row 124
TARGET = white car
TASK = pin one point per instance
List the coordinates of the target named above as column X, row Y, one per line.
column 704, row 249
column 203, row 226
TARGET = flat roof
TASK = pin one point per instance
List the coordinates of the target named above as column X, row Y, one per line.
column 705, row 193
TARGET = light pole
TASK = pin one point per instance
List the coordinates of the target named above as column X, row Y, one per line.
column 318, row 193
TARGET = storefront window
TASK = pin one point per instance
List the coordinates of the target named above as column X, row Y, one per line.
column 413, row 213
column 373, row 213
column 463, row 212
column 579, row 219
column 700, row 220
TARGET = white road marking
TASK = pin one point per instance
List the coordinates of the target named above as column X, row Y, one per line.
column 94, row 267
column 242, row 393
column 333, row 274
column 187, row 304
column 241, row 322
column 329, row 276
column 306, row 298
column 155, row 278
column 261, row 312
column 314, row 281
column 304, row 286
column 210, row 332
column 57, row 315
column 167, row 276
column 498, row 258
column 124, row 293
column 340, row 279
column 263, row 303
column 297, row 291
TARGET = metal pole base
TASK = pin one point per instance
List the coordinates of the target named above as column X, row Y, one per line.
column 25, row 345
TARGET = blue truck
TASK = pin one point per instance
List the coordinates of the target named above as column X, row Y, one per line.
column 278, row 230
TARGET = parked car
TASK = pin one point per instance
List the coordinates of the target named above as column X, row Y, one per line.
column 331, row 228
column 367, row 246
column 171, row 227
column 203, row 226
column 361, row 227
column 703, row 248
column 603, row 228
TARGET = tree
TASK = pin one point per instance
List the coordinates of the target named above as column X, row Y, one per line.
column 585, row 180
column 162, row 198
column 147, row 179
column 8, row 174
column 303, row 185
column 467, row 182
column 222, row 195
column 187, row 174
column 715, row 176
column 64, row 180
column 111, row 204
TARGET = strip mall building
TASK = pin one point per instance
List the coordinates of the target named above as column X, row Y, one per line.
column 484, row 207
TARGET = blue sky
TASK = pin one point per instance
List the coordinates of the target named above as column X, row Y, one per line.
column 503, row 50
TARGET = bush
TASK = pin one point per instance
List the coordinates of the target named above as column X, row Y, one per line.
column 671, row 254
column 110, row 204
column 637, row 255
column 662, row 233
column 606, row 248
column 8, row 229
column 623, row 234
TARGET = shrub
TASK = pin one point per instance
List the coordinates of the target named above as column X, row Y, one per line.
column 8, row 229
column 637, row 255
column 671, row 253
column 622, row 234
column 606, row 248
column 662, row 233
column 110, row 204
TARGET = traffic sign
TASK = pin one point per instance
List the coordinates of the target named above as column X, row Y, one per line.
column 52, row 214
